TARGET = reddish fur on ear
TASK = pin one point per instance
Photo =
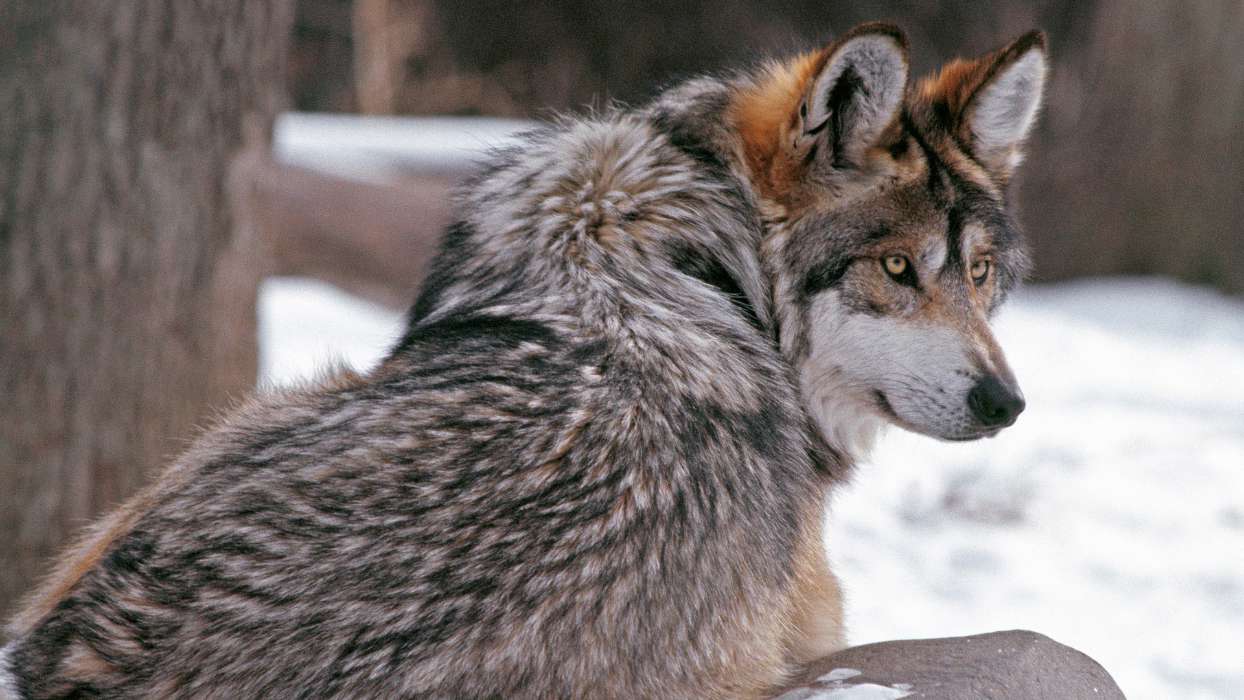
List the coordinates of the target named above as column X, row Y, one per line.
column 953, row 89
column 766, row 114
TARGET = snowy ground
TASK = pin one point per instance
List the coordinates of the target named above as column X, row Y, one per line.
column 1111, row 517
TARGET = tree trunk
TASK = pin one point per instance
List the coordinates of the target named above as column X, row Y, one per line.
column 128, row 269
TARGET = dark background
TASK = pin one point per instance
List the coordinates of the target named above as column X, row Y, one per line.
column 1135, row 167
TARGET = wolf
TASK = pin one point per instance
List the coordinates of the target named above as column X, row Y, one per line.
column 596, row 464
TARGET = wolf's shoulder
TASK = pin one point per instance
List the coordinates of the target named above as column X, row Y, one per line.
column 600, row 216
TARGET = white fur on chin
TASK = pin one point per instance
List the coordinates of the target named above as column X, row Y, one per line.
column 848, row 424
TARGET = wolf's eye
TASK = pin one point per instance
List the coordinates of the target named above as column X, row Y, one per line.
column 980, row 271
column 899, row 269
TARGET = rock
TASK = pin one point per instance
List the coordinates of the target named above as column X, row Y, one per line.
column 1013, row 665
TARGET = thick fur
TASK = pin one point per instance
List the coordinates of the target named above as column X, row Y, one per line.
column 596, row 463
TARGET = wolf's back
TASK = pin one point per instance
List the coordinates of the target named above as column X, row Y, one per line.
column 8, row 685
column 527, row 498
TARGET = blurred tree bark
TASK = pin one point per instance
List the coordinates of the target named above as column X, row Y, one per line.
column 1139, row 163
column 128, row 269
column 386, row 35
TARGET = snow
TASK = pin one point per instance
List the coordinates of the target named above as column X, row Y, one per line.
column 860, row 691
column 381, row 148
column 833, row 686
column 1110, row 517
column 307, row 326
column 839, row 674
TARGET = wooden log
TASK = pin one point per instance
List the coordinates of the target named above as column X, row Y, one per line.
column 1015, row 665
column 370, row 239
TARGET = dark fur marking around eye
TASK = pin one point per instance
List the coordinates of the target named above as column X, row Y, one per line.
column 972, row 204
column 954, row 238
column 876, row 234
column 907, row 277
column 824, row 276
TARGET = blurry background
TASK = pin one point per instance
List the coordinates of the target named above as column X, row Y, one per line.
column 1137, row 166
column 168, row 166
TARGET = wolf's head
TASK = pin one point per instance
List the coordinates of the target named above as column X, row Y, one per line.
column 889, row 240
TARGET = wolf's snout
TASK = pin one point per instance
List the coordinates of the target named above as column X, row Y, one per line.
column 995, row 404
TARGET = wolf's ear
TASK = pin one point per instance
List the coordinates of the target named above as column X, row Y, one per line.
column 1004, row 107
column 995, row 99
column 855, row 96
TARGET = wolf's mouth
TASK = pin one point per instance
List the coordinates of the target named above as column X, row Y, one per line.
column 883, row 406
column 887, row 410
column 987, row 433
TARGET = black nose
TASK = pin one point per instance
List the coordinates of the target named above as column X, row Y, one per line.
column 995, row 404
